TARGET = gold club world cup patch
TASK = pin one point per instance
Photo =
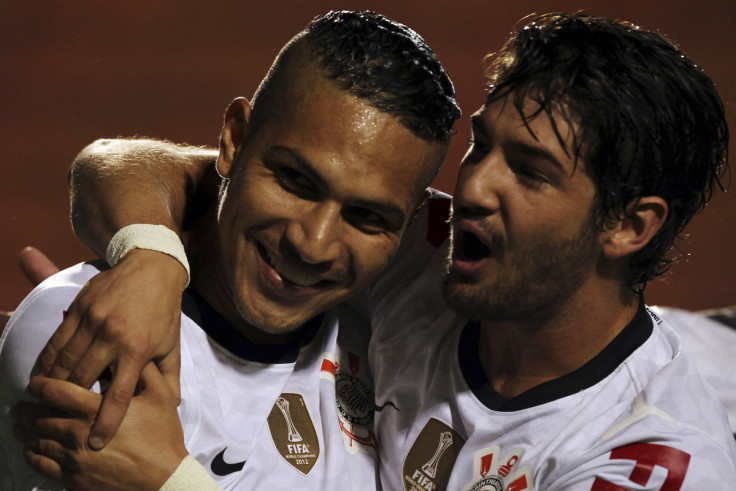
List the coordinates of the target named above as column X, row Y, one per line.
column 430, row 460
column 293, row 432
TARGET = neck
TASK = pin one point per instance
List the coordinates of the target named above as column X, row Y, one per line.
column 521, row 354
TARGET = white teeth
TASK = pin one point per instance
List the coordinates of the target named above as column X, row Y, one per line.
column 289, row 274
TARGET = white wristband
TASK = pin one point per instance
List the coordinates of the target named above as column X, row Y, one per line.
column 190, row 475
column 146, row 236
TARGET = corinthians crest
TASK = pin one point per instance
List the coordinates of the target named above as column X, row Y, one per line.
column 354, row 401
column 493, row 473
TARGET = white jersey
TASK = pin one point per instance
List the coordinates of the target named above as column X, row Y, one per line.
column 713, row 346
column 296, row 417
column 638, row 416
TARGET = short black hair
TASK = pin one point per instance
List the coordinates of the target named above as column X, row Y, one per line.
column 649, row 120
column 389, row 65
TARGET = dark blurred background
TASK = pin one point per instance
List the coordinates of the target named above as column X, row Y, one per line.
column 76, row 71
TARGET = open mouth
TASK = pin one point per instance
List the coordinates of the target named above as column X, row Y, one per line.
column 289, row 275
column 469, row 247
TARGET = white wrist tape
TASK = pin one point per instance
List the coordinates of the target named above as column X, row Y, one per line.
column 190, row 475
column 146, row 236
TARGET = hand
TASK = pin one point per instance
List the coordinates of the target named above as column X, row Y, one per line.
column 37, row 267
column 142, row 455
column 122, row 319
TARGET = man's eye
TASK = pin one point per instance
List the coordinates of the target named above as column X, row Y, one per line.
column 294, row 181
column 365, row 219
column 531, row 174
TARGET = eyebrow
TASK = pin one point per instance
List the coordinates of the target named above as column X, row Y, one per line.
column 517, row 145
column 304, row 164
column 391, row 212
column 534, row 151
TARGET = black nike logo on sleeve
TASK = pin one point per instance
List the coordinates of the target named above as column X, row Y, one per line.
column 222, row 468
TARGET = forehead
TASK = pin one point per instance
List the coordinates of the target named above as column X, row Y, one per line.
column 533, row 131
column 345, row 137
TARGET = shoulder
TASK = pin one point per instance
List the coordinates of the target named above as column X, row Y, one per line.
column 709, row 346
column 35, row 320
column 57, row 290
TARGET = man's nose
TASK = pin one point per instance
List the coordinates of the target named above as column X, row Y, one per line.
column 315, row 235
column 477, row 187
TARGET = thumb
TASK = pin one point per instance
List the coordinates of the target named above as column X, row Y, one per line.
column 170, row 368
column 153, row 383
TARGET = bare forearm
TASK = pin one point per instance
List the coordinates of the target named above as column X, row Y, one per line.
column 114, row 183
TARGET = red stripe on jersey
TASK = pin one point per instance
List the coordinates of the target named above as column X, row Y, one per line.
column 328, row 366
column 646, row 456
column 438, row 228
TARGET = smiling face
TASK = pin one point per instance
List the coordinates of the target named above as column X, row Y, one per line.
column 321, row 188
column 523, row 239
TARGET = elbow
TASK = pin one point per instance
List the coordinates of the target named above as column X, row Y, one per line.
column 91, row 157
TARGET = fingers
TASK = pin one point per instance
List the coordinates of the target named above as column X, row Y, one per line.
column 34, row 421
column 43, row 454
column 64, row 396
column 42, row 464
column 37, row 453
column 49, row 362
column 115, row 403
column 36, row 266
column 78, row 337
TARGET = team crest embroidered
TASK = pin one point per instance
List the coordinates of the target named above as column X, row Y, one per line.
column 293, row 433
column 355, row 404
column 492, row 473
column 429, row 462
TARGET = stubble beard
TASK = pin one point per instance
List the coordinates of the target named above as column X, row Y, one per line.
column 534, row 285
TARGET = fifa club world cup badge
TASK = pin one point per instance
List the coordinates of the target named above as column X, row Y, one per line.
column 432, row 456
column 293, row 433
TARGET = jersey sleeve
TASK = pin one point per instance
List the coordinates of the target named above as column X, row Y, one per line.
column 674, row 436
column 712, row 346
column 654, row 466
column 25, row 335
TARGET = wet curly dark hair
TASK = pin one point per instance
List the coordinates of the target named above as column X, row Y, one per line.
column 389, row 65
column 382, row 62
column 649, row 120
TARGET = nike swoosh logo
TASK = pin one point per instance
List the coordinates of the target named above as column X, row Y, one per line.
column 383, row 406
column 222, row 468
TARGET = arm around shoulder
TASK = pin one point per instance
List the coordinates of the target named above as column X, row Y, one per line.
column 114, row 183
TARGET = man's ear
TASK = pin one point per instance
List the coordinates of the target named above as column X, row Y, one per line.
column 234, row 133
column 630, row 234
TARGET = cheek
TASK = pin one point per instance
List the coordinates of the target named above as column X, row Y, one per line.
column 371, row 258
